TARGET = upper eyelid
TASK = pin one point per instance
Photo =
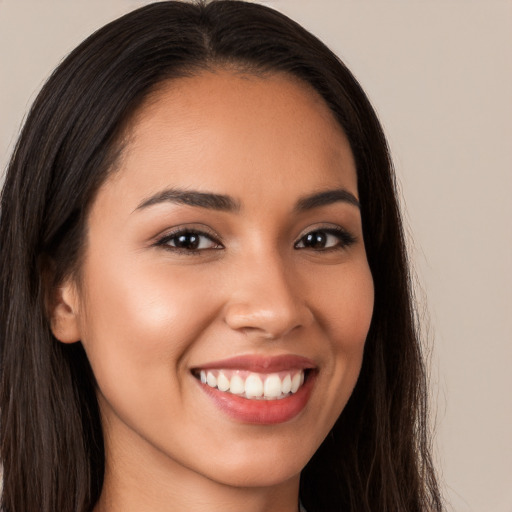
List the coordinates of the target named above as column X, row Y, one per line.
column 163, row 241
column 347, row 237
column 204, row 230
column 333, row 228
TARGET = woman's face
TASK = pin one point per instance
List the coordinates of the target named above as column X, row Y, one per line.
column 226, row 248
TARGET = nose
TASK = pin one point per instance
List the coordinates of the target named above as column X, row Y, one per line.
column 266, row 299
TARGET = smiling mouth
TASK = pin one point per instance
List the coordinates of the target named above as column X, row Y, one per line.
column 254, row 385
column 257, row 389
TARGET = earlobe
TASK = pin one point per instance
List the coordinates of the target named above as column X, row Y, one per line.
column 64, row 316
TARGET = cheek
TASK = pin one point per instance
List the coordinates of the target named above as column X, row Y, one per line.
column 346, row 309
column 139, row 323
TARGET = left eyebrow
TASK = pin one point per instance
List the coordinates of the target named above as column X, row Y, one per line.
column 325, row 198
column 192, row 198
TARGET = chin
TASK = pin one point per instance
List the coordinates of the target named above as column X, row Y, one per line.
column 251, row 475
column 262, row 467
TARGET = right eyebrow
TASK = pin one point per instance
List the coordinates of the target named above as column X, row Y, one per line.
column 325, row 198
column 207, row 200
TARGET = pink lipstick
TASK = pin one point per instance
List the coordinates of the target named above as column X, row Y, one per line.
column 259, row 389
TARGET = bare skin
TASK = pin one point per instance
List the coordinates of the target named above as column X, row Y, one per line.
column 168, row 287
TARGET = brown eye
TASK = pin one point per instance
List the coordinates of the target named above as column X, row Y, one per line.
column 316, row 240
column 325, row 239
column 187, row 240
column 190, row 241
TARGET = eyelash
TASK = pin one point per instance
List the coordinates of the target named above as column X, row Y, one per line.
column 345, row 240
column 165, row 241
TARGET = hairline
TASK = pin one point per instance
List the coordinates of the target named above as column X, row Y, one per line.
column 122, row 141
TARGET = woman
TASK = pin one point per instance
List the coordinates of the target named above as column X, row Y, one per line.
column 205, row 297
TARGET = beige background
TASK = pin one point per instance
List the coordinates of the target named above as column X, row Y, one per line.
column 440, row 76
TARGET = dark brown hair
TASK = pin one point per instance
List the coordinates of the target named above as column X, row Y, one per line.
column 376, row 458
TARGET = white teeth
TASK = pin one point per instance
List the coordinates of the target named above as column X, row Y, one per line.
column 254, row 385
column 272, row 387
column 211, row 380
column 237, row 386
column 287, row 384
column 296, row 382
column 222, row 382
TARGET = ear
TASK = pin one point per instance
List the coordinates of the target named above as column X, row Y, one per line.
column 64, row 317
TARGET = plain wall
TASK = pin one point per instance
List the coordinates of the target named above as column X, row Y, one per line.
column 440, row 76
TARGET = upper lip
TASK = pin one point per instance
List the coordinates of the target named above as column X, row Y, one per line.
column 260, row 364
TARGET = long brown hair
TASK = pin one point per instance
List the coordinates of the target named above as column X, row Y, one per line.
column 376, row 458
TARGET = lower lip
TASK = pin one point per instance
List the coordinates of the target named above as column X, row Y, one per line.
column 262, row 412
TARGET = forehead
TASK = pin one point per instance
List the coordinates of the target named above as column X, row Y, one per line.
column 219, row 129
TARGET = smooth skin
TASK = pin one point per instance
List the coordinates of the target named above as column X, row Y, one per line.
column 244, row 278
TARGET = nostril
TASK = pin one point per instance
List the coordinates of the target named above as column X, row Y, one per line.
column 264, row 323
column 266, row 302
